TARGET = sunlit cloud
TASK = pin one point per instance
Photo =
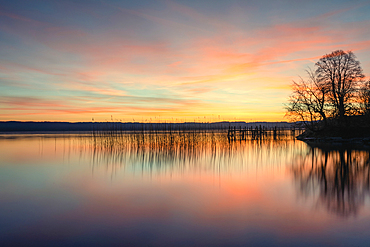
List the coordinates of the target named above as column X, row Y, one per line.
column 132, row 60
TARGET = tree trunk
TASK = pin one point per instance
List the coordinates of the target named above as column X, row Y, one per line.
column 341, row 108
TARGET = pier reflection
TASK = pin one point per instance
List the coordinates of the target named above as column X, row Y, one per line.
column 337, row 179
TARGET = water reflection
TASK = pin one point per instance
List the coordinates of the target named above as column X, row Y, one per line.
column 190, row 151
column 177, row 189
column 338, row 179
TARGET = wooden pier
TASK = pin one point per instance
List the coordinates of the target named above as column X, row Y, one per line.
column 259, row 132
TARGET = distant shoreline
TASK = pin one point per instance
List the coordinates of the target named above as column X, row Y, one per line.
column 34, row 127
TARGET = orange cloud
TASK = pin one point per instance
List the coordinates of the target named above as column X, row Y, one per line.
column 187, row 63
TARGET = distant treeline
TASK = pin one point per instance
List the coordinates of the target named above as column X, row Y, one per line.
column 15, row 126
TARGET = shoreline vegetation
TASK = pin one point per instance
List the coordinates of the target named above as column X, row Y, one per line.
column 354, row 130
column 113, row 132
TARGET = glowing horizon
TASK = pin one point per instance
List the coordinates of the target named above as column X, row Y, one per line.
column 167, row 60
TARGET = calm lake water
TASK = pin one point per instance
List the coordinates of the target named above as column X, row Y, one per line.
column 180, row 190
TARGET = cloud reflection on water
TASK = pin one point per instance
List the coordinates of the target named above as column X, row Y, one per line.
column 171, row 189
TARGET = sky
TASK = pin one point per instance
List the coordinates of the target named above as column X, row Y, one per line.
column 159, row 60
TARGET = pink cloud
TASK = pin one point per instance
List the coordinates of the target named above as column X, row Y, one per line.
column 175, row 64
column 22, row 18
column 197, row 66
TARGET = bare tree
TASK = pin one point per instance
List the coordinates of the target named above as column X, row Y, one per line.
column 365, row 99
column 335, row 89
column 309, row 101
column 343, row 74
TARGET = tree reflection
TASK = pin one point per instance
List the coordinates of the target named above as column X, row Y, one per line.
column 337, row 179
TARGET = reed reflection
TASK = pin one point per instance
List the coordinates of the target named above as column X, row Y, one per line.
column 337, row 179
column 183, row 151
